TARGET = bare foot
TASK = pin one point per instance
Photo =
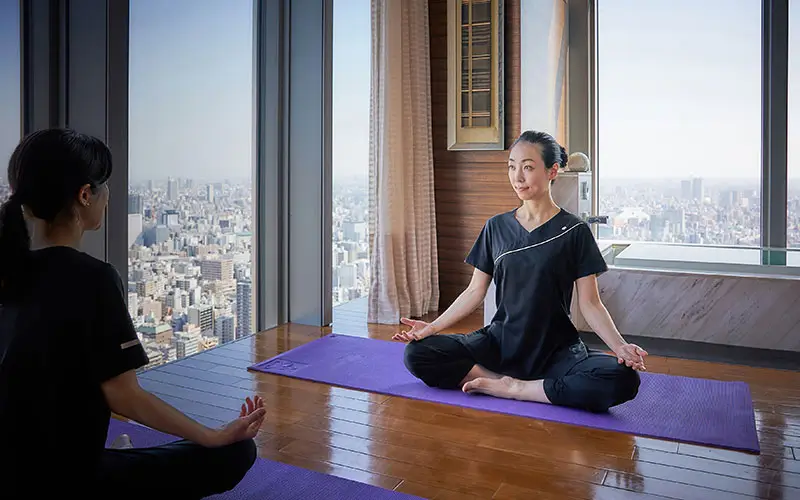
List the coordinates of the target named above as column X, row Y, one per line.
column 122, row 442
column 505, row 387
column 477, row 372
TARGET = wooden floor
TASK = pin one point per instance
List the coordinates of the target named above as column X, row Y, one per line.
column 443, row 452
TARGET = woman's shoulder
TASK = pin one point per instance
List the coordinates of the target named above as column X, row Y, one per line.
column 501, row 218
column 77, row 262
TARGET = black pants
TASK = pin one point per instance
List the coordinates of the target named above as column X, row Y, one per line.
column 179, row 470
column 576, row 377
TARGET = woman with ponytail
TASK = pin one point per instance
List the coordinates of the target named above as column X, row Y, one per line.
column 536, row 254
column 69, row 352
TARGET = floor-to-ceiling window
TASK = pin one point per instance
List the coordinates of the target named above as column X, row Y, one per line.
column 10, row 97
column 679, row 121
column 191, row 198
column 351, row 104
column 793, row 143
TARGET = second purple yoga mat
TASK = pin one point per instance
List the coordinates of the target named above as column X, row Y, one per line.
column 692, row 410
column 267, row 479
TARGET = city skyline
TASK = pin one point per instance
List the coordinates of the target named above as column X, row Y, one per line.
column 668, row 75
column 190, row 262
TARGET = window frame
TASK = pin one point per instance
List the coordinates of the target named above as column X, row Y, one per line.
column 583, row 130
column 74, row 72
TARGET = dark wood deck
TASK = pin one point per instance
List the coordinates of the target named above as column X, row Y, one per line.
column 444, row 452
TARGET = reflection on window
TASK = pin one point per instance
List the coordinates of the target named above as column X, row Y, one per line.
column 190, row 201
column 351, row 100
column 10, row 68
column 679, row 121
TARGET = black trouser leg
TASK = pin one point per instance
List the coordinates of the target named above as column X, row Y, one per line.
column 179, row 470
column 440, row 360
column 595, row 383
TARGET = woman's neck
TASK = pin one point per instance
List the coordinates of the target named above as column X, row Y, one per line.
column 538, row 211
column 51, row 235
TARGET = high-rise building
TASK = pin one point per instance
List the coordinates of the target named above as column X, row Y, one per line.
column 133, row 305
column 160, row 333
column 224, row 328
column 172, row 189
column 354, row 231
column 178, row 322
column 135, row 204
column 155, row 357
column 216, row 269
column 178, row 300
column 146, row 288
column 347, row 276
column 186, row 344
column 203, row 317
column 244, row 309
column 697, row 189
column 156, row 235
column 686, row 190
column 186, row 284
column 135, row 226
column 210, row 193
column 152, row 308
column 171, row 219
column 677, row 219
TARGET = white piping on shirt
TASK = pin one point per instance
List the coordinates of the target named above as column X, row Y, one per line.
column 536, row 244
column 130, row 343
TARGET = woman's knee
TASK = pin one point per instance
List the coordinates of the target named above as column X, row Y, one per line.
column 627, row 384
column 418, row 358
column 236, row 460
column 598, row 392
column 426, row 360
column 623, row 387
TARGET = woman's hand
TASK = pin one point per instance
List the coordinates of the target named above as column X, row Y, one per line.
column 245, row 427
column 419, row 330
column 631, row 355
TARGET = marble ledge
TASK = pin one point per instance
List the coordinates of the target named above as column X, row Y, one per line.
column 759, row 311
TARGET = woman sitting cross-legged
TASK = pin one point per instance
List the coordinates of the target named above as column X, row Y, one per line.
column 69, row 351
column 531, row 351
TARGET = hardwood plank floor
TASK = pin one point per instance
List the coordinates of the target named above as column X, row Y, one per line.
column 444, row 452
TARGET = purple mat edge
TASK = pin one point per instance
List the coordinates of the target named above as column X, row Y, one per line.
column 755, row 449
column 157, row 438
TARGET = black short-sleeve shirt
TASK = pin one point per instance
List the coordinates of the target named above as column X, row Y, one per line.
column 534, row 274
column 67, row 333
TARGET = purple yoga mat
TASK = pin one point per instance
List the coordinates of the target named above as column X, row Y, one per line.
column 268, row 479
column 692, row 410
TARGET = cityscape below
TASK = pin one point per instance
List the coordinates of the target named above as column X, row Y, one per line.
column 190, row 275
column 190, row 282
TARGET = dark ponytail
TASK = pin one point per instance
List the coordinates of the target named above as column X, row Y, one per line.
column 46, row 172
column 15, row 245
column 552, row 152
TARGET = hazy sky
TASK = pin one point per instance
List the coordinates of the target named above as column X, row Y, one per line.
column 9, row 81
column 679, row 87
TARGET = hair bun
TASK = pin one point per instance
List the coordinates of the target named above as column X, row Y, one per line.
column 564, row 157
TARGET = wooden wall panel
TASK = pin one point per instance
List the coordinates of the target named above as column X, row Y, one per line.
column 470, row 186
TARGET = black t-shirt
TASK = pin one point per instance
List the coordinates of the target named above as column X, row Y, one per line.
column 68, row 333
column 534, row 273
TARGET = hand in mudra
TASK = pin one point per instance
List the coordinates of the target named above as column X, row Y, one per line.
column 631, row 355
column 251, row 416
column 419, row 330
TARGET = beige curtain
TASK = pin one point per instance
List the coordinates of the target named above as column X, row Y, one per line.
column 402, row 219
